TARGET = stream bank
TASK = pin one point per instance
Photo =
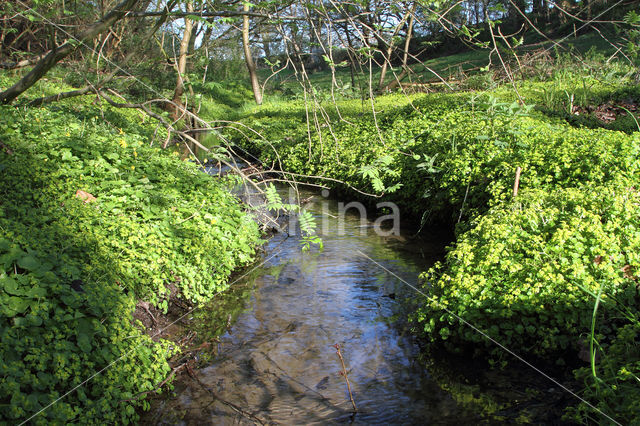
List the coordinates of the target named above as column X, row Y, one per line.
column 92, row 221
column 550, row 273
column 274, row 362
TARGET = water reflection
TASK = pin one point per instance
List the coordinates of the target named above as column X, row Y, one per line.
column 276, row 364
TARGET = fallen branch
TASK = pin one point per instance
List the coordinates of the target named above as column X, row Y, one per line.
column 345, row 374
column 61, row 96
column 231, row 405
column 21, row 64
column 396, row 81
column 184, row 135
column 58, row 53
column 143, row 106
column 171, row 129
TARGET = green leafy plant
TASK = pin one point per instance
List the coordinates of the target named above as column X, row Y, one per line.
column 56, row 331
column 378, row 169
column 308, row 228
column 522, row 270
column 71, row 272
column 305, row 218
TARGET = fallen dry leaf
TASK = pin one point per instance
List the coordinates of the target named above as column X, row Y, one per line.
column 627, row 270
column 85, row 196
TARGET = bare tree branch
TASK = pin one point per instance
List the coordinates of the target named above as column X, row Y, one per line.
column 58, row 53
column 21, row 64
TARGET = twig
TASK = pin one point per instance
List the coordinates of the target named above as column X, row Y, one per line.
column 516, row 184
column 21, row 64
column 344, row 374
column 194, row 213
column 466, row 193
column 231, row 405
column 145, row 306
column 507, row 69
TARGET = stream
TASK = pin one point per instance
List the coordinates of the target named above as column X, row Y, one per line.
column 272, row 359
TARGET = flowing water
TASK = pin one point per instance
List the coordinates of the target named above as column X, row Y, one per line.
column 275, row 362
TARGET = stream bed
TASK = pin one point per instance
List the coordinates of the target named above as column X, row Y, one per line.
column 272, row 358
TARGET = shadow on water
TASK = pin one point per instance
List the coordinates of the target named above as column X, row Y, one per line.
column 275, row 362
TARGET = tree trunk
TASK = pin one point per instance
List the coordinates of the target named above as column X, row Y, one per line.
column 407, row 41
column 58, row 53
column 386, row 57
column 405, row 58
column 560, row 16
column 535, row 11
column 515, row 7
column 196, row 31
column 390, row 46
column 546, row 14
column 352, row 60
column 182, row 63
column 251, row 66
column 206, row 37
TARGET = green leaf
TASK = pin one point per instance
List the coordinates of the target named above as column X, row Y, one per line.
column 84, row 342
column 36, row 292
column 33, row 320
column 10, row 286
column 13, row 254
column 29, row 263
column 17, row 304
column 4, row 245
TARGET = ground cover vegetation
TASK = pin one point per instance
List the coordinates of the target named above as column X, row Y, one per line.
column 550, row 272
column 73, row 270
column 436, row 106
